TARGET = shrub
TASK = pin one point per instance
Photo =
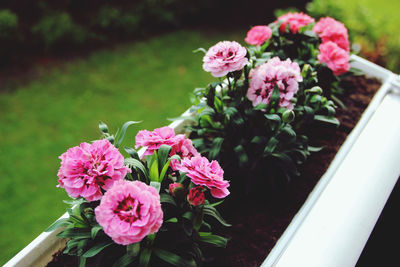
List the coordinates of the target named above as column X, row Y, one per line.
column 59, row 27
column 8, row 24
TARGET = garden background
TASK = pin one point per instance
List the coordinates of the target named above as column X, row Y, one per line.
column 66, row 65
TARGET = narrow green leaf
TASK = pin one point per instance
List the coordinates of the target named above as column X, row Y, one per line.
column 137, row 165
column 59, row 223
column 124, row 260
column 211, row 211
column 273, row 117
column 331, row 120
column 156, row 185
column 163, row 154
column 95, row 230
column 215, row 240
column 315, row 149
column 174, row 259
column 132, row 152
column 82, row 262
column 166, row 198
column 144, row 257
column 121, row 135
column 96, row 249
column 271, row 145
column 164, row 170
column 153, row 171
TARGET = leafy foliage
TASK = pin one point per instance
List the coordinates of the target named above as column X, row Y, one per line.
column 185, row 231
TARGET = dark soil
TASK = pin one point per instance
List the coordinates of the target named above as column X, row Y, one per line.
column 257, row 227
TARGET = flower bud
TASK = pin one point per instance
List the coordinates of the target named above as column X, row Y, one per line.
column 196, row 196
column 315, row 90
column 288, row 116
column 306, row 70
column 176, row 189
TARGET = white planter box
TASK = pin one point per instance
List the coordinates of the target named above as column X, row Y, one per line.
column 337, row 218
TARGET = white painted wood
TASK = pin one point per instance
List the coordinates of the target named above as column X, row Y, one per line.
column 337, row 227
column 39, row 251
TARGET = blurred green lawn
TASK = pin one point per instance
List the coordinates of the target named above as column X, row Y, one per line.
column 147, row 80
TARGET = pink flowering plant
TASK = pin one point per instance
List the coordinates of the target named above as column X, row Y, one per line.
column 150, row 210
column 253, row 119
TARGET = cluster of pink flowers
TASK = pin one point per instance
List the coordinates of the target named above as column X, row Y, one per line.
column 295, row 20
column 335, row 47
column 180, row 145
column 130, row 211
column 89, row 168
column 258, row 35
column 284, row 74
column 205, row 173
column 225, row 57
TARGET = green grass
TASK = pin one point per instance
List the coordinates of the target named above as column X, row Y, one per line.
column 147, row 80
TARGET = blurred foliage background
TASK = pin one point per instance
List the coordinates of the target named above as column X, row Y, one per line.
column 65, row 65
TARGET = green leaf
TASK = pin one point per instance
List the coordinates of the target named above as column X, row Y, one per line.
column 200, row 49
column 121, row 135
column 215, row 240
column 275, row 97
column 137, row 165
column 95, row 230
column 271, row 145
column 132, row 152
column 163, row 154
column 166, row 198
column 74, row 233
column 59, row 223
column 315, row 149
column 97, row 248
column 144, row 257
column 273, row 117
column 211, row 211
column 261, row 106
column 174, row 259
column 216, row 147
column 164, row 170
column 331, row 120
column 153, row 170
column 82, row 262
column 172, row 220
column 124, row 260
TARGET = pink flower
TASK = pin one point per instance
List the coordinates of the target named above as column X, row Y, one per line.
column 295, row 20
column 196, row 196
column 184, row 149
column 258, row 35
column 202, row 172
column 153, row 140
column 180, row 145
column 225, row 57
column 284, row 74
column 130, row 211
column 336, row 58
column 329, row 29
column 87, row 169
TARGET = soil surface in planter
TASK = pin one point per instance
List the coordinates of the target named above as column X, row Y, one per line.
column 257, row 227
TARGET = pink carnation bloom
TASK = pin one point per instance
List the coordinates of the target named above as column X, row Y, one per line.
column 258, row 35
column 285, row 74
column 153, row 140
column 88, row 168
column 225, row 57
column 184, row 149
column 332, row 30
column 180, row 145
column 295, row 20
column 336, row 58
column 202, row 172
column 130, row 211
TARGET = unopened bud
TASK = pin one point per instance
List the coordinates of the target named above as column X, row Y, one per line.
column 288, row 116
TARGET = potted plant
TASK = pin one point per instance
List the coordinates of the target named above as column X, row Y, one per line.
column 304, row 91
